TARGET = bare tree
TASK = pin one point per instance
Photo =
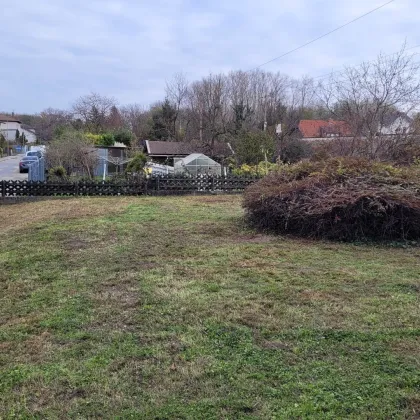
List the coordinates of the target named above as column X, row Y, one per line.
column 73, row 152
column 370, row 97
column 210, row 109
column 50, row 121
column 93, row 110
column 176, row 94
column 138, row 119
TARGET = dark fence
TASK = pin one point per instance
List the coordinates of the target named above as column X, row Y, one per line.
column 158, row 185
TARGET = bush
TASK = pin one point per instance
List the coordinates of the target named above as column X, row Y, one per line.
column 124, row 137
column 344, row 199
column 107, row 139
column 104, row 139
column 137, row 163
column 253, row 146
column 294, row 150
column 58, row 171
column 263, row 168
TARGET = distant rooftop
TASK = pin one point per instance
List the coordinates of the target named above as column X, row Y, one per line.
column 8, row 118
column 323, row 128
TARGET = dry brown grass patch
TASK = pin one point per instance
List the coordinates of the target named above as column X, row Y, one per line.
column 23, row 215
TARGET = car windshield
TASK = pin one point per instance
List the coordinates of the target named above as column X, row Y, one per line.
column 32, row 154
column 30, row 158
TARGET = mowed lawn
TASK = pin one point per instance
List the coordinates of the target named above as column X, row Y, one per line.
column 170, row 308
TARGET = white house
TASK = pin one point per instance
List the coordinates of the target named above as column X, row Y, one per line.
column 396, row 123
column 9, row 125
column 29, row 132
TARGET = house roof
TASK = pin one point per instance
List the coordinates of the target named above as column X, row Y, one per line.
column 168, row 148
column 28, row 128
column 8, row 118
column 173, row 148
column 321, row 128
column 390, row 118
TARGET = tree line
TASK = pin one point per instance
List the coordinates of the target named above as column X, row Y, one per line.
column 257, row 112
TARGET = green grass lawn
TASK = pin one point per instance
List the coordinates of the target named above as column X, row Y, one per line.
column 169, row 308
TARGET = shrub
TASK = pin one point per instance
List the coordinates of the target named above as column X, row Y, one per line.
column 107, row 139
column 137, row 163
column 263, row 168
column 253, row 146
column 104, row 139
column 94, row 138
column 344, row 199
column 294, row 150
column 58, row 171
column 124, row 137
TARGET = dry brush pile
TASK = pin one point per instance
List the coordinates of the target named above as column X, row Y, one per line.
column 343, row 199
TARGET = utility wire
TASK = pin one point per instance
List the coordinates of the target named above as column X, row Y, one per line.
column 370, row 61
column 322, row 36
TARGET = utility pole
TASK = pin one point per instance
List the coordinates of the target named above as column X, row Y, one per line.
column 201, row 126
column 265, row 117
column 279, row 140
column 265, row 112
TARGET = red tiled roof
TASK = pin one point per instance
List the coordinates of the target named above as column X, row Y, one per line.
column 8, row 118
column 323, row 128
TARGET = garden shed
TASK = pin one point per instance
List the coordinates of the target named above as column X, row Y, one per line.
column 196, row 164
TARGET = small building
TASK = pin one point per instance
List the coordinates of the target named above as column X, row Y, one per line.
column 166, row 151
column 196, row 164
column 111, row 159
column 395, row 123
column 9, row 125
column 29, row 132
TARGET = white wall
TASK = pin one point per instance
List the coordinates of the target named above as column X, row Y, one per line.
column 8, row 129
column 30, row 136
column 397, row 127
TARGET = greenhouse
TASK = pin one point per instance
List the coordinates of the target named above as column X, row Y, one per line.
column 196, row 164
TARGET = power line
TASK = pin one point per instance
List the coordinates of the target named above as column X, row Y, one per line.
column 370, row 61
column 322, row 36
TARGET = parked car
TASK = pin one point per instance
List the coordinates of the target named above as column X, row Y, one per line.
column 25, row 162
column 41, row 149
column 36, row 153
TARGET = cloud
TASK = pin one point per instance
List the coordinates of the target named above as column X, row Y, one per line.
column 55, row 51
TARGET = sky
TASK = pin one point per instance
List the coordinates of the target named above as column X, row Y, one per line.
column 53, row 51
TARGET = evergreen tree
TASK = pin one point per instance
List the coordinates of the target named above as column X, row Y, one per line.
column 253, row 147
column 163, row 122
column 242, row 113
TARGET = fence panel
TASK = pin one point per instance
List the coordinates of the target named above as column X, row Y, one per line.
column 15, row 188
column 156, row 185
column 36, row 170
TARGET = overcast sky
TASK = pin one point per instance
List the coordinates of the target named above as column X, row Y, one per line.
column 53, row 51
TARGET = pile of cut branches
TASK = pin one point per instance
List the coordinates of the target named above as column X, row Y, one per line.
column 344, row 199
